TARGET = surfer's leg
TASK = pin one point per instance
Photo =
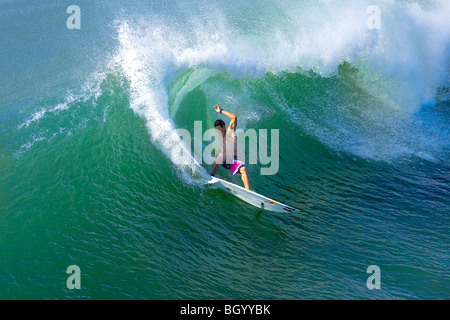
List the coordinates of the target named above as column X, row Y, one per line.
column 244, row 177
column 217, row 163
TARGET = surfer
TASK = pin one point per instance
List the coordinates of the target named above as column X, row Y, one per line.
column 229, row 158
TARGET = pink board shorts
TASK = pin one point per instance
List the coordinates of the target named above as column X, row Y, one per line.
column 235, row 166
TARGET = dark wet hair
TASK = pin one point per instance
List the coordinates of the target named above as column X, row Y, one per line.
column 219, row 122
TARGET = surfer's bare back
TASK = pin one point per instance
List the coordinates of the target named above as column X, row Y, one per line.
column 229, row 158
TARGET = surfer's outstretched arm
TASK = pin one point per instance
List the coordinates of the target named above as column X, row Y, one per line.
column 231, row 115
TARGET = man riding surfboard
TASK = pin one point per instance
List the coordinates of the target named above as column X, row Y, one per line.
column 229, row 158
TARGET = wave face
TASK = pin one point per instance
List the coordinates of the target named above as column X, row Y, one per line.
column 371, row 83
column 93, row 169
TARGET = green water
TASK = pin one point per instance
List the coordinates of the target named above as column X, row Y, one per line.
column 88, row 175
column 106, row 199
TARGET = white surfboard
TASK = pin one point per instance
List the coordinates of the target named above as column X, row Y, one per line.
column 252, row 197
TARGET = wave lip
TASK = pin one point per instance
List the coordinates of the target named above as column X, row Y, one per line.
column 149, row 97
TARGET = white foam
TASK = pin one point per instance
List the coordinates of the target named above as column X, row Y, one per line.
column 90, row 89
column 35, row 117
column 149, row 97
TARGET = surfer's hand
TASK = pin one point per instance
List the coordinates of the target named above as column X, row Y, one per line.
column 217, row 108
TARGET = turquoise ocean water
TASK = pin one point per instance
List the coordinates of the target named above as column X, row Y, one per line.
column 89, row 174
